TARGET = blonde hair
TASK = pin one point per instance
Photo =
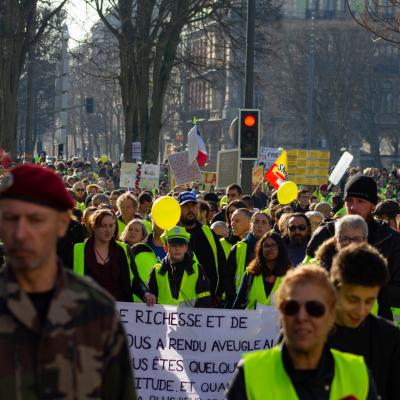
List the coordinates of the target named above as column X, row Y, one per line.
column 125, row 196
column 138, row 221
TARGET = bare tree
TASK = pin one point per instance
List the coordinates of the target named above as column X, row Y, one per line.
column 21, row 25
column 148, row 34
column 378, row 17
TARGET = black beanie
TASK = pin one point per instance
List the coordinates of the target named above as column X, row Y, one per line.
column 363, row 187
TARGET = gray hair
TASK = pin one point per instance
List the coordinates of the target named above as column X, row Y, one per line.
column 352, row 222
column 311, row 214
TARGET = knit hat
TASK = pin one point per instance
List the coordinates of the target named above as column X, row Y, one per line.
column 36, row 184
column 363, row 187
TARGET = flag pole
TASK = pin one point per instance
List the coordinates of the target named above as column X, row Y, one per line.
column 259, row 183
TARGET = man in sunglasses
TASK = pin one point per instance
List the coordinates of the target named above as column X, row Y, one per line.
column 358, row 272
column 361, row 197
column 298, row 235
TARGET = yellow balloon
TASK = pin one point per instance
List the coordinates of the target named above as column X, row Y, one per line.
column 166, row 212
column 287, row 192
column 104, row 158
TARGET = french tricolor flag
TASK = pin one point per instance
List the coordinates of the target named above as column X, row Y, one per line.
column 196, row 147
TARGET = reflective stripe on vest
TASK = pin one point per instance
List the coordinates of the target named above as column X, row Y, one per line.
column 187, row 291
column 350, row 379
column 241, row 250
column 257, row 292
column 226, row 246
column 79, row 258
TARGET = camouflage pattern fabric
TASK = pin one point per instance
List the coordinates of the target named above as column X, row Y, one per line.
column 80, row 352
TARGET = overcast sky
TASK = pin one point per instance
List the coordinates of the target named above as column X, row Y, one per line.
column 81, row 18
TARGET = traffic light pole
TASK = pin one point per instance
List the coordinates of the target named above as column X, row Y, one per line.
column 246, row 168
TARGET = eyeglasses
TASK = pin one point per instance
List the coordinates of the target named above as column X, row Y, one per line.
column 347, row 240
column 314, row 308
column 300, row 228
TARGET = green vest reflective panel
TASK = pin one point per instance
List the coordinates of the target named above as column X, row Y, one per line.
column 396, row 316
column 210, row 238
column 226, row 246
column 145, row 261
column 187, row 292
column 241, row 250
column 257, row 293
column 350, row 379
column 79, row 258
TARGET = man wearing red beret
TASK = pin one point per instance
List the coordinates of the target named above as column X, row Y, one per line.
column 60, row 335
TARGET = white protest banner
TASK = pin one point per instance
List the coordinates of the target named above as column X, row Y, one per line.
column 137, row 151
column 191, row 353
column 182, row 170
column 128, row 175
column 268, row 155
column 149, row 178
column 227, row 167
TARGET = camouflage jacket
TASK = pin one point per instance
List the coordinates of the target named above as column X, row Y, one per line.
column 80, row 352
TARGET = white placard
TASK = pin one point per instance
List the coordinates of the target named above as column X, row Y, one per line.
column 150, row 176
column 137, row 151
column 227, row 168
column 182, row 170
column 128, row 175
column 268, row 155
column 191, row 353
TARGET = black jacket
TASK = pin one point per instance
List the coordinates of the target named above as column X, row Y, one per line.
column 201, row 247
column 387, row 241
column 378, row 341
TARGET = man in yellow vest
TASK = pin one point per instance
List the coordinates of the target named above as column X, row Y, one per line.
column 179, row 279
column 204, row 243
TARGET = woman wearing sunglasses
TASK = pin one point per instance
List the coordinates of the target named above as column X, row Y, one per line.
column 303, row 367
column 264, row 273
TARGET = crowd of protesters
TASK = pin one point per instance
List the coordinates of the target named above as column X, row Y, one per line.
column 237, row 250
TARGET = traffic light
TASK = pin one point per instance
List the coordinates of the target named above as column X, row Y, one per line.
column 249, row 134
column 89, row 106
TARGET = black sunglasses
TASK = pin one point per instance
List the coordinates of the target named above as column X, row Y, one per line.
column 314, row 308
column 293, row 228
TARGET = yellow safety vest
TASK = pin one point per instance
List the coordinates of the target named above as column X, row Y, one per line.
column 396, row 316
column 211, row 240
column 226, row 246
column 257, row 292
column 241, row 250
column 79, row 258
column 187, row 292
column 350, row 379
column 121, row 227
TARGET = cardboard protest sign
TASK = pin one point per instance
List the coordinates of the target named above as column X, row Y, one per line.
column 208, row 180
column 308, row 167
column 182, row 170
column 149, row 178
column 257, row 175
column 128, row 175
column 227, row 167
column 191, row 353
column 268, row 155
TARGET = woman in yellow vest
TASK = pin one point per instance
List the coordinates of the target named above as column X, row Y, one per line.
column 179, row 279
column 108, row 261
column 134, row 232
column 303, row 367
column 264, row 273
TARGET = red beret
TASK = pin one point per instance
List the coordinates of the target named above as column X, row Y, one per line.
column 36, row 184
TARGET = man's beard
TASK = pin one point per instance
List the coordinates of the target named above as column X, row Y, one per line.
column 299, row 240
column 188, row 220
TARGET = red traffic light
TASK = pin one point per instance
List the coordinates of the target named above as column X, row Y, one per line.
column 249, row 120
